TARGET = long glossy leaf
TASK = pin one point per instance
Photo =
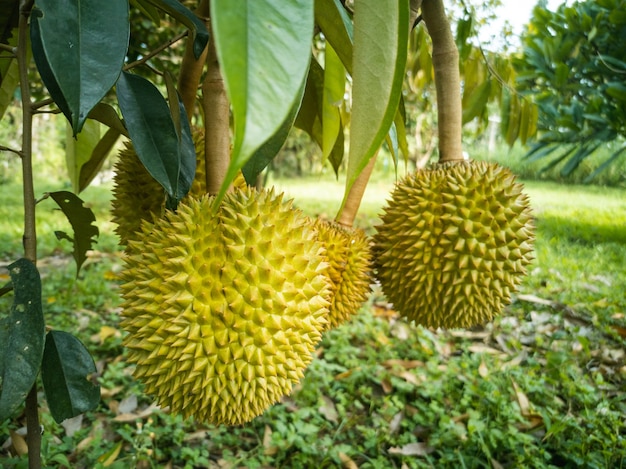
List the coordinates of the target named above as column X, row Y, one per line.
column 78, row 149
column 264, row 49
column 378, row 72
column 607, row 163
column 21, row 338
column 84, row 43
column 336, row 25
column 81, row 218
column 152, row 132
column 178, row 11
column 66, row 370
column 334, row 90
column 105, row 114
column 266, row 153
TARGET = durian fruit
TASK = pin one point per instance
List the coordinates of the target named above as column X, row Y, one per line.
column 454, row 243
column 224, row 305
column 138, row 196
column 349, row 258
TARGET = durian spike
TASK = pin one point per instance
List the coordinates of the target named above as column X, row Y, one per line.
column 447, row 80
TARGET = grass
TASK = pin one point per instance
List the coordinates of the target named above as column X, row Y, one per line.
column 542, row 386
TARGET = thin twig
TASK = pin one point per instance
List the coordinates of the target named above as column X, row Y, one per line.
column 156, row 51
column 8, row 48
column 12, row 150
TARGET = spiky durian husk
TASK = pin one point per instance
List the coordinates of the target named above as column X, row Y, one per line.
column 349, row 259
column 454, row 243
column 138, row 196
column 223, row 310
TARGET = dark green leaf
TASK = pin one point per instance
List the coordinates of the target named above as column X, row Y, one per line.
column 178, row 11
column 264, row 49
column 81, row 45
column 66, row 372
column 21, row 338
column 9, row 74
column 153, row 134
column 334, row 90
column 81, row 218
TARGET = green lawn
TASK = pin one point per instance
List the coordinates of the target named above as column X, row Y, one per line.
column 542, row 386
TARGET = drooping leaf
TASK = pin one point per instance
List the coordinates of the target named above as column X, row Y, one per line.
column 78, row 149
column 264, row 49
column 477, row 102
column 66, row 370
column 153, row 134
column 266, row 153
column 333, row 20
column 378, row 72
column 21, row 338
column 67, row 35
column 105, row 114
column 178, row 11
column 91, row 168
column 333, row 95
column 81, row 218
column 147, row 9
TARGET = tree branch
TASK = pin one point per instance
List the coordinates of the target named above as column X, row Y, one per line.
column 156, row 51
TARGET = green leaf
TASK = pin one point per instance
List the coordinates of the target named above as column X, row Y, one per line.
column 378, row 73
column 21, row 338
column 477, row 102
column 82, row 45
column 154, row 135
column 264, row 49
column 81, row 218
column 90, row 169
column 78, row 149
column 334, row 90
column 178, row 11
column 266, row 153
column 334, row 22
column 66, row 372
column 105, row 114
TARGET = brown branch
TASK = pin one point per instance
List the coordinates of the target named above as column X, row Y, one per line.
column 12, row 150
column 33, row 433
column 156, row 51
column 216, row 123
column 447, row 80
column 191, row 68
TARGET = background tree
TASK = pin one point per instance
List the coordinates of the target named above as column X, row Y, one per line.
column 573, row 66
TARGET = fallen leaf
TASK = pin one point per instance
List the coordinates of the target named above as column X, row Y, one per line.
column 406, row 364
column 412, row 449
column 195, row 436
column 347, row 462
column 522, row 399
column 535, row 299
column 127, row 405
column 328, row 410
column 108, row 393
column 110, row 456
column 19, row 443
column 386, row 385
column 72, row 425
column 394, row 425
column 483, row 371
column 270, row 449
column 480, row 348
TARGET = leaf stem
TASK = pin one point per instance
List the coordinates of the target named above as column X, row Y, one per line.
column 216, row 123
column 33, row 435
column 348, row 211
column 447, row 80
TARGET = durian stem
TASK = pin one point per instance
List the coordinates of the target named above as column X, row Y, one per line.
column 348, row 212
column 33, row 432
column 447, row 80
column 216, row 123
column 191, row 68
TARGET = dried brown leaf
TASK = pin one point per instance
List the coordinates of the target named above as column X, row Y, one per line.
column 328, row 410
column 347, row 462
column 412, row 449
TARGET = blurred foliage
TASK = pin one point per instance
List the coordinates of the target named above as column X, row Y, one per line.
column 574, row 67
